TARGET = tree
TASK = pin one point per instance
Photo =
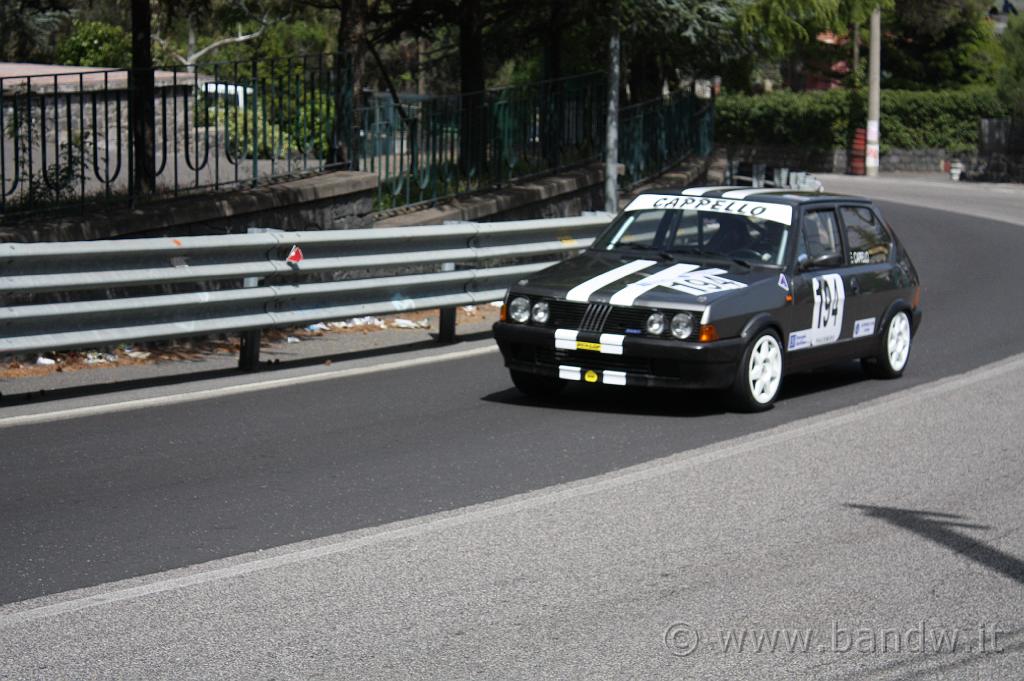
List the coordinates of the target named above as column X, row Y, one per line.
column 938, row 44
column 26, row 27
column 95, row 43
column 142, row 110
column 1010, row 78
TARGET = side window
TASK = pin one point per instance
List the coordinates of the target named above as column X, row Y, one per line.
column 819, row 234
column 866, row 237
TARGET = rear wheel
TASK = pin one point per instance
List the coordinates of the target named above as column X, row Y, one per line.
column 534, row 385
column 892, row 359
column 760, row 373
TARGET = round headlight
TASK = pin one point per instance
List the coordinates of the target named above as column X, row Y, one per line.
column 540, row 312
column 519, row 309
column 682, row 325
column 656, row 324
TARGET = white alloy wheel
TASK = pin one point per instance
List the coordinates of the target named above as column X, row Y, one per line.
column 897, row 342
column 764, row 371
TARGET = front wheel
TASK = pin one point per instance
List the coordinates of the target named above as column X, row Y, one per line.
column 892, row 360
column 534, row 385
column 760, row 373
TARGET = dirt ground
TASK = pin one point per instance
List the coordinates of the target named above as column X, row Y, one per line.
column 128, row 354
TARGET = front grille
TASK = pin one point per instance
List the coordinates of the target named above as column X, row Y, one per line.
column 595, row 317
column 623, row 318
column 566, row 315
column 603, row 318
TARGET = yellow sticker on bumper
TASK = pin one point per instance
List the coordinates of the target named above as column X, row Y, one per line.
column 583, row 345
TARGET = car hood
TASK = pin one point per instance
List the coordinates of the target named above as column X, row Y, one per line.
column 649, row 282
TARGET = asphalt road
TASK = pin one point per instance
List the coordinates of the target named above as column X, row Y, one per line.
column 795, row 528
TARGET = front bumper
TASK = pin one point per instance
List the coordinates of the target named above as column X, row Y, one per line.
column 618, row 360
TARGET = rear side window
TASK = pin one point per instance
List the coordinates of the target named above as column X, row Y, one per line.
column 819, row 234
column 866, row 238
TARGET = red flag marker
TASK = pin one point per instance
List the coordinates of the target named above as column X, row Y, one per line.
column 294, row 255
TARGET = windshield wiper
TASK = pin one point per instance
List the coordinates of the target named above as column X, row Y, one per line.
column 661, row 253
column 693, row 250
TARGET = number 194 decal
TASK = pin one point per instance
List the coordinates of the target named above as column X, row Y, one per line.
column 829, row 299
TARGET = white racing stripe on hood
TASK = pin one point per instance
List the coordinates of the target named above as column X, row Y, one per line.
column 582, row 293
column 629, row 294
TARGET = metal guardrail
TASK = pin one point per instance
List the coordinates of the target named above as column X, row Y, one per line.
column 369, row 272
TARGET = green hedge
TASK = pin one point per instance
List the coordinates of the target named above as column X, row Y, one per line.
column 825, row 119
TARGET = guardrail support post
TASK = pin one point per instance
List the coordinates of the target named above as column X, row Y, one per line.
column 446, row 321
column 446, row 325
column 249, row 345
column 249, row 351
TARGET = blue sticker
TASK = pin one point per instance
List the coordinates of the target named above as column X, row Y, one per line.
column 799, row 340
column 783, row 283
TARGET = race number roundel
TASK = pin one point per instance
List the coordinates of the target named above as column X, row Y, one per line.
column 829, row 298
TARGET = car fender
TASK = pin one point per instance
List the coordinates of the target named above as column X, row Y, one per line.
column 896, row 306
column 758, row 323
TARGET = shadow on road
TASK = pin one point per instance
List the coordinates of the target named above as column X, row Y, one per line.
column 663, row 402
column 941, row 528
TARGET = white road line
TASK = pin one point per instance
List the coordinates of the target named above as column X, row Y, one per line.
column 229, row 568
column 211, row 393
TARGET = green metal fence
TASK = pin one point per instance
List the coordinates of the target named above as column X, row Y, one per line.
column 440, row 147
column 656, row 135
column 426, row 150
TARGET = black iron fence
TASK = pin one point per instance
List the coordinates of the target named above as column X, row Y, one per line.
column 67, row 136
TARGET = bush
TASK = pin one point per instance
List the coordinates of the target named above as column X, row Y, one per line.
column 253, row 135
column 95, row 43
column 826, row 119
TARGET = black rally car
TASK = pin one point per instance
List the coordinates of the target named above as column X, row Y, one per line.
column 717, row 287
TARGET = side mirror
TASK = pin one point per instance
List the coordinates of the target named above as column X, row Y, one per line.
column 822, row 261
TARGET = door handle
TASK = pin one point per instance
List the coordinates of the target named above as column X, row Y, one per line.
column 854, row 285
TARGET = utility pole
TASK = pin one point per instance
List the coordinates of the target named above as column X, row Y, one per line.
column 874, row 92
column 611, row 151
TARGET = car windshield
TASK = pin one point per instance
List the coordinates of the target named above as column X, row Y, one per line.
column 674, row 232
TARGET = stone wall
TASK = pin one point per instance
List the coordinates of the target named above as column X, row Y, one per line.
column 914, row 160
column 993, row 167
column 795, row 158
column 339, row 200
column 564, row 194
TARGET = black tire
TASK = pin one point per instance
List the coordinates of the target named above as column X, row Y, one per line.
column 892, row 357
column 536, row 386
column 743, row 395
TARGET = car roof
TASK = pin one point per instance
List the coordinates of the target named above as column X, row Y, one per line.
column 784, row 196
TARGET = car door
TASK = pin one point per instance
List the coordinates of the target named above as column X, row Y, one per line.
column 820, row 330
column 871, row 264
